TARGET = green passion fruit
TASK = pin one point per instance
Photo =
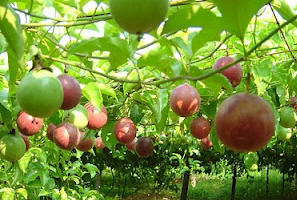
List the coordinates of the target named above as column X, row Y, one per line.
column 40, row 94
column 250, row 159
column 12, row 147
column 139, row 16
column 78, row 116
column 283, row 134
column 287, row 117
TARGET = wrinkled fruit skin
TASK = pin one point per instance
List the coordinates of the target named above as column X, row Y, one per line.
column 234, row 73
column 206, row 143
column 144, row 147
column 77, row 116
column 200, row 128
column 26, row 140
column 139, row 16
column 66, row 136
column 99, row 143
column 85, row 144
column 29, row 125
column 132, row 145
column 287, row 117
column 40, row 94
column 185, row 100
column 71, row 90
column 50, row 131
column 283, row 134
column 12, row 147
column 245, row 122
column 124, row 130
column 97, row 119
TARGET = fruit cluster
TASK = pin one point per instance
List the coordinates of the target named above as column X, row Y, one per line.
column 40, row 94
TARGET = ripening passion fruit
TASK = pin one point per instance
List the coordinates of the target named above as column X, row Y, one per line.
column 185, row 100
column 245, row 122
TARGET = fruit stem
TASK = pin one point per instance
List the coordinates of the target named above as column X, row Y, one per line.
column 12, row 132
column 37, row 64
column 248, row 77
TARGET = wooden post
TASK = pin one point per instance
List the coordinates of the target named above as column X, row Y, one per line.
column 234, row 180
column 267, row 181
column 184, row 193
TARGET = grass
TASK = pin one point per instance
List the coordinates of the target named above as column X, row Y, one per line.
column 207, row 188
column 211, row 188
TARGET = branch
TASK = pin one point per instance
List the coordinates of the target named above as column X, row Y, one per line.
column 283, row 34
column 76, row 54
column 68, row 24
column 213, row 52
column 75, row 64
column 186, row 77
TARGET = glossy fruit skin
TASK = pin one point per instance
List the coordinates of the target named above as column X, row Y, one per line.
column 283, row 134
column 26, row 140
column 124, row 131
column 85, row 144
column 200, row 128
column 287, row 117
column 71, row 90
column 12, row 147
column 78, row 116
column 144, row 147
column 50, row 131
column 29, row 125
column 234, row 73
column 40, row 94
column 206, row 143
column 99, row 143
column 139, row 16
column 185, row 100
column 97, row 119
column 66, row 136
column 132, row 145
column 245, row 122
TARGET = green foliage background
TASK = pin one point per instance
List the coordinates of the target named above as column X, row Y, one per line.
column 134, row 76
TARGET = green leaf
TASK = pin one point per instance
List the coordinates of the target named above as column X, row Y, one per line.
column 11, row 29
column 13, row 69
column 107, row 135
column 133, row 76
column 162, row 60
column 63, row 194
column 7, row 193
column 107, row 90
column 284, row 9
column 119, row 49
column 192, row 16
column 93, row 170
column 6, row 115
column 65, row 6
column 93, row 93
column 204, row 36
column 237, row 14
column 217, row 145
column 136, row 114
column 23, row 192
column 213, row 85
